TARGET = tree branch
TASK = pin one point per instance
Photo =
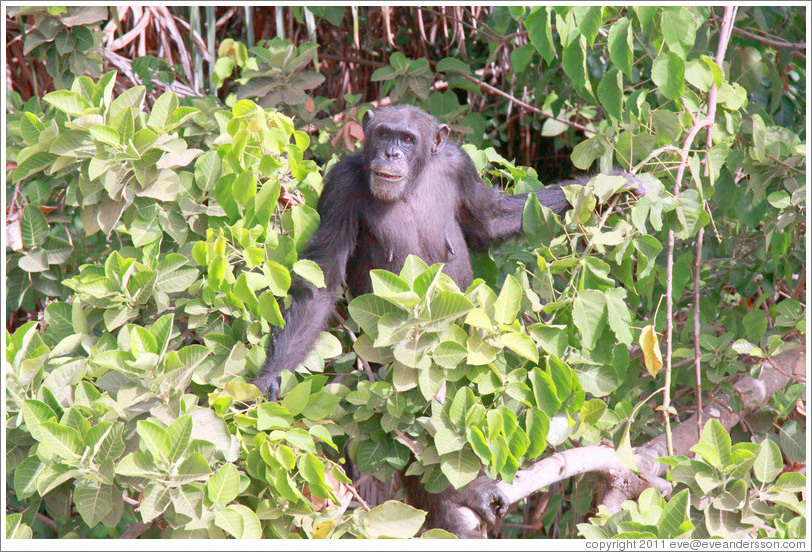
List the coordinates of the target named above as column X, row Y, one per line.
column 770, row 42
column 534, row 109
column 624, row 484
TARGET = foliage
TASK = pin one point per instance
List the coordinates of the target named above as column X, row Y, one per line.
column 63, row 38
column 153, row 240
column 726, row 491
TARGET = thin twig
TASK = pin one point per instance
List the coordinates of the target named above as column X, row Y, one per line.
column 136, row 530
column 527, row 106
column 770, row 42
column 724, row 36
column 357, row 496
column 48, row 522
column 362, row 363
column 788, row 167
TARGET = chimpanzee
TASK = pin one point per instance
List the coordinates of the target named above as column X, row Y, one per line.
column 409, row 192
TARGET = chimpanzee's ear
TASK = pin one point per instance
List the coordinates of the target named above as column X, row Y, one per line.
column 439, row 138
column 367, row 118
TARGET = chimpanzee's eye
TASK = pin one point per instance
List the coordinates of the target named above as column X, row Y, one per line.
column 408, row 139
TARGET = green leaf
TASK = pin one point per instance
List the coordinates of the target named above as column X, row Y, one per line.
column 53, row 476
column 538, row 424
column 33, row 226
column 540, row 224
column 610, row 93
column 453, row 65
column 223, row 486
column 585, row 153
column 460, row 467
column 540, row 31
column 480, row 445
column 94, row 501
column 296, row 399
column 509, row 300
column 668, row 73
column 674, row 514
column 790, row 481
column 393, row 519
column 137, row 464
column 131, row 97
column 269, row 309
column 552, row 339
column 521, row 57
column 769, row 462
column 679, row 29
column 589, row 314
column 177, row 279
column 273, row 416
column 33, row 164
column 63, row 441
column 229, row 521
column 366, row 310
column 243, row 108
column 310, row 271
column 105, row 135
column 574, row 63
column 714, row 444
column 448, row 305
column 480, row 352
column 265, row 201
column 386, row 284
column 179, row 433
column 154, row 438
column 208, row 168
column 245, row 187
column 589, row 19
column 621, row 46
column 371, row 455
column 162, row 111
column 716, row 71
column 73, row 143
column 521, row 345
column 449, row 354
column 193, row 468
column 412, row 268
column 155, row 500
column 30, row 128
column 793, row 441
column 618, row 314
column 69, row 102
column 545, row 392
column 27, row 475
column 251, row 527
column 447, row 441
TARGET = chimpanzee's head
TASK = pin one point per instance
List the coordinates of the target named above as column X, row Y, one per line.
column 398, row 141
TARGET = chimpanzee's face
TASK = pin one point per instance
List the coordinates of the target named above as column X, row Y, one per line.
column 398, row 142
column 395, row 156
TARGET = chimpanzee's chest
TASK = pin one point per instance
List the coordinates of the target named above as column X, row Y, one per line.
column 390, row 233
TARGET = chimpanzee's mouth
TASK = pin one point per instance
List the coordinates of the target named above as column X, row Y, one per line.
column 388, row 176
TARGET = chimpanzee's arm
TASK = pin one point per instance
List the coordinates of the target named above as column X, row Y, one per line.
column 486, row 215
column 330, row 247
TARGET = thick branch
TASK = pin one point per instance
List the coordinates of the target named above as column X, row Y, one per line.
column 622, row 483
column 754, row 394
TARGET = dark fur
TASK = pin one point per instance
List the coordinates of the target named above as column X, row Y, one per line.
column 409, row 192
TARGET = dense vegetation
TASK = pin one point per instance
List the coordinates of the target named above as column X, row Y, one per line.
column 162, row 178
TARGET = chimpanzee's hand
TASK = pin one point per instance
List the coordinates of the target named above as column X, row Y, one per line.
column 268, row 384
column 484, row 497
